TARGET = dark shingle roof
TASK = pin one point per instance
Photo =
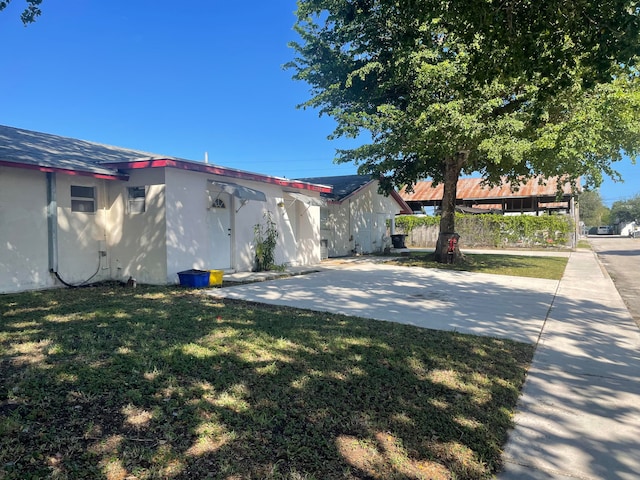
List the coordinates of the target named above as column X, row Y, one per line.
column 343, row 185
column 38, row 149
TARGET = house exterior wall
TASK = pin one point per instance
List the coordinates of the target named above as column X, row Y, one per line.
column 137, row 240
column 24, row 232
column 186, row 223
column 113, row 243
column 369, row 211
column 24, row 257
column 299, row 232
column 338, row 230
column 82, row 236
column 359, row 223
column 188, row 229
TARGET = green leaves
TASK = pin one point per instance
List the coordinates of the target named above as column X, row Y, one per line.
column 524, row 88
column 500, row 230
column 265, row 241
column 626, row 211
column 29, row 14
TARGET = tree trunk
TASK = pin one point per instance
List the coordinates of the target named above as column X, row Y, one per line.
column 452, row 168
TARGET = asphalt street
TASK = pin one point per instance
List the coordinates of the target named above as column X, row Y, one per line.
column 621, row 258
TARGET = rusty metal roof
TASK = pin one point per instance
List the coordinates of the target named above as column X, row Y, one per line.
column 472, row 189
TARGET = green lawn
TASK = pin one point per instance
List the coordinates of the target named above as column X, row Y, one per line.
column 157, row 382
column 584, row 244
column 551, row 268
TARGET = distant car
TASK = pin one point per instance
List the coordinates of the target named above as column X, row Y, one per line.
column 605, row 230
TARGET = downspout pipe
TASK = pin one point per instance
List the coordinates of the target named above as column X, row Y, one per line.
column 52, row 222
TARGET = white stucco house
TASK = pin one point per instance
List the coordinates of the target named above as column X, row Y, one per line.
column 627, row 229
column 357, row 219
column 74, row 211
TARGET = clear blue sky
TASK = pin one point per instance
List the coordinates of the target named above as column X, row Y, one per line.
column 176, row 78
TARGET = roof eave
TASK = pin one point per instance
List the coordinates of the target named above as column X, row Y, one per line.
column 65, row 171
column 222, row 171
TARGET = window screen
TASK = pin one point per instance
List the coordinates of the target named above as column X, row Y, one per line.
column 83, row 199
column 136, row 199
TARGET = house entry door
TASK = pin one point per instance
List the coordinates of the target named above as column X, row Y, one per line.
column 220, row 233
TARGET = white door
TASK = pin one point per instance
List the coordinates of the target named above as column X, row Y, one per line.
column 220, row 233
column 363, row 235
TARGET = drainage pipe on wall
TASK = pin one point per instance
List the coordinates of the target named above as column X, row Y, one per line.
column 52, row 223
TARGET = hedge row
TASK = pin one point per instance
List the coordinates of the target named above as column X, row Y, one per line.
column 492, row 230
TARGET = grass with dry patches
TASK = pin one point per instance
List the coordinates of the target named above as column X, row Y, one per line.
column 550, row 268
column 112, row 383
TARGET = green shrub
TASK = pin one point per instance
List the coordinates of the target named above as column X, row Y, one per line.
column 494, row 230
column 265, row 238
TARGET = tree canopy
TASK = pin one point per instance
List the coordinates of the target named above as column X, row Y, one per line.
column 543, row 37
column 29, row 14
column 443, row 90
column 626, row 211
column 592, row 210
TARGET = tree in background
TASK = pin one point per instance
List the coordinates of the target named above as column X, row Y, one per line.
column 626, row 211
column 592, row 211
column 443, row 91
column 30, row 12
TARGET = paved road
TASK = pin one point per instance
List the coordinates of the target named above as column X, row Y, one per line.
column 621, row 258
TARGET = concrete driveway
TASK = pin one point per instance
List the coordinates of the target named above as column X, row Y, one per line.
column 480, row 304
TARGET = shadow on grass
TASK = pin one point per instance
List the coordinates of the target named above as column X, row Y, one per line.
column 516, row 265
column 168, row 383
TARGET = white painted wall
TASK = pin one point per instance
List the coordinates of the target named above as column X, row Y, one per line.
column 174, row 235
column 187, row 241
column 627, row 229
column 24, row 260
column 170, row 236
column 308, row 231
column 358, row 223
column 24, row 256
column 81, row 236
column 186, row 221
column 339, row 232
column 137, row 241
column 299, row 231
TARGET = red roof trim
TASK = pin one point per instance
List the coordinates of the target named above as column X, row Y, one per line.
column 80, row 173
column 222, row 171
column 405, row 209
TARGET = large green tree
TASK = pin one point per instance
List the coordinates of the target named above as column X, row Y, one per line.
column 626, row 211
column 443, row 94
column 29, row 14
column 592, row 209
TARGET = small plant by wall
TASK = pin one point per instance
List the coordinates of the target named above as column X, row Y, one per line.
column 265, row 240
column 490, row 230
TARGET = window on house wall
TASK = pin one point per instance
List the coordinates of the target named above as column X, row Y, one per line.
column 136, row 202
column 83, row 199
column 218, row 203
column 324, row 218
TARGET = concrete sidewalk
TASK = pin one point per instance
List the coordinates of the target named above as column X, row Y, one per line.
column 579, row 414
